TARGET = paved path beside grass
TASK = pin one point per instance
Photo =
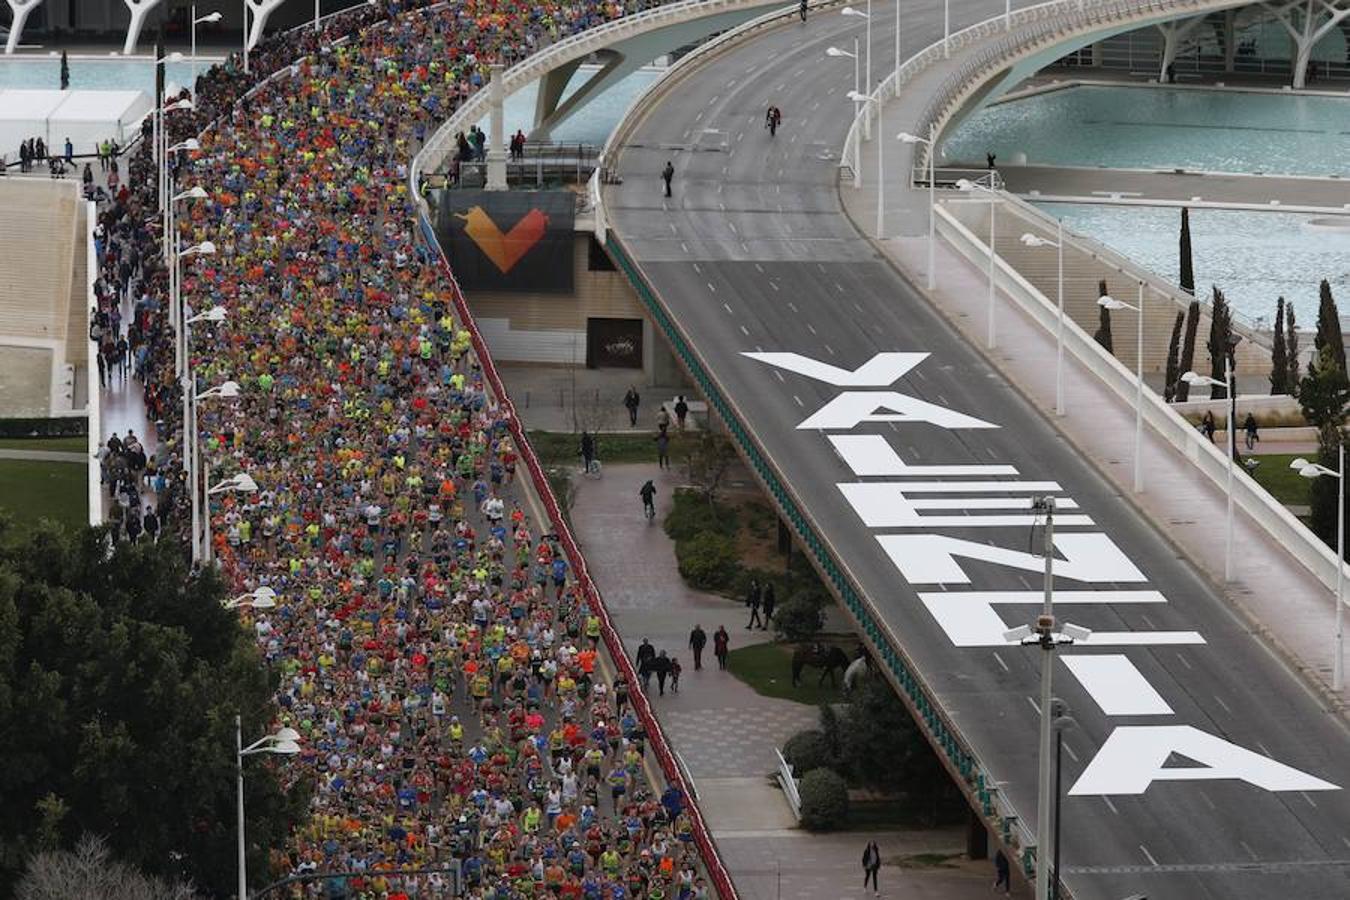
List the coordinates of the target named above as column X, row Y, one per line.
column 724, row 731
column 45, row 456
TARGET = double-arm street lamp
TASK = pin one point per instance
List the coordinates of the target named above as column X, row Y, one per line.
column 1196, row 379
column 931, row 143
column 972, row 187
column 285, row 742
column 1035, row 240
column 242, row 483
column 1106, row 301
column 867, row 88
column 259, row 598
column 1315, row 470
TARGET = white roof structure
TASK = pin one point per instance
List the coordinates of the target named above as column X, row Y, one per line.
column 86, row 117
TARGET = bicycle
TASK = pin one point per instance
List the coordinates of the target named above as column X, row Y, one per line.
column 649, row 510
column 592, row 469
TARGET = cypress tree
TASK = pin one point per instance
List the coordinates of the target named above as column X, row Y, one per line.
column 1220, row 332
column 1187, row 264
column 1103, row 335
column 1291, row 348
column 1188, row 351
column 1279, row 361
column 1329, row 328
column 1173, row 358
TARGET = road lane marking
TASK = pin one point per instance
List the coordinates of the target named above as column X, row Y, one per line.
column 1310, row 800
column 673, row 229
column 727, row 307
column 1250, row 851
column 799, row 401
column 773, row 285
column 1183, row 661
column 792, row 306
column 1035, row 706
column 811, row 328
column 711, row 288
column 697, row 269
column 1069, row 750
column 745, row 331
column 1001, row 662
column 759, row 268
column 1111, row 806
column 732, row 226
column 780, row 375
column 684, row 247
column 1151, row 860
column 829, row 349
column 1208, row 802
column 1225, row 706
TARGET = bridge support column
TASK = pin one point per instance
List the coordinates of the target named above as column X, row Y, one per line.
column 496, row 152
column 260, row 10
column 20, row 10
column 1308, row 21
column 1229, row 39
column 551, row 87
column 139, row 9
column 1173, row 34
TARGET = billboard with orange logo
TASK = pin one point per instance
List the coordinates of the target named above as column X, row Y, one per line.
column 508, row 240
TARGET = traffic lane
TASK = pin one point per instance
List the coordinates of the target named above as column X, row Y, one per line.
column 949, row 671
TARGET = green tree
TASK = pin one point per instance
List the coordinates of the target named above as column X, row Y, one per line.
column 1329, row 327
column 1291, row 348
column 1187, row 262
column 120, row 677
column 824, row 796
column 1103, row 333
column 882, row 747
column 710, row 458
column 1187, row 362
column 1279, row 358
column 1173, row 360
column 800, row 618
column 1323, row 395
column 1220, row 343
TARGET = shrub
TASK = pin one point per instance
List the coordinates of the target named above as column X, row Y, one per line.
column 824, row 800
column 60, row 426
column 806, row 751
column 690, row 515
column 707, row 561
column 800, row 619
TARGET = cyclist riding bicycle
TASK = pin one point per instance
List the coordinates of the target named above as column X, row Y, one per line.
column 648, row 494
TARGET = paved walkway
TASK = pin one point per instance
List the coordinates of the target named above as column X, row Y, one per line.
column 1279, row 598
column 723, row 730
column 45, row 456
column 568, row 399
column 1177, row 188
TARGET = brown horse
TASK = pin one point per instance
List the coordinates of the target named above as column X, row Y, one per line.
column 826, row 658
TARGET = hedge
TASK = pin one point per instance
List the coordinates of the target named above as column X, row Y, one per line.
column 824, row 800
column 65, row 426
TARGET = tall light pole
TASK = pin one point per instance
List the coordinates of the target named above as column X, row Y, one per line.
column 1108, row 302
column 1313, row 470
column 157, row 123
column 867, row 89
column 1062, row 722
column 192, row 451
column 209, row 17
column 946, row 29
column 1043, row 635
column 1195, row 378
column 1035, row 240
column 835, row 52
column 258, row 598
column 865, row 100
column 243, row 483
column 969, row 186
column 171, row 235
column 286, row 742
column 931, row 143
column 246, row 11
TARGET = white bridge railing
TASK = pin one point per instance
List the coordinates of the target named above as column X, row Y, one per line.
column 789, row 784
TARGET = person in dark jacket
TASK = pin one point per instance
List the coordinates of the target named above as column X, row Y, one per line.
column 661, row 666
column 645, row 654
column 752, row 600
column 587, row 451
column 768, row 604
column 667, row 174
column 631, row 400
column 721, row 646
column 871, row 863
column 698, row 639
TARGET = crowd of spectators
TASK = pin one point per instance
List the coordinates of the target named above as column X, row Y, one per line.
column 433, row 647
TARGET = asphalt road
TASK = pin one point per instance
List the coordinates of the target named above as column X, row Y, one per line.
column 755, row 253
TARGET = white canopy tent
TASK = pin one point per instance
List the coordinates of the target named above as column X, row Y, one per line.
column 86, row 117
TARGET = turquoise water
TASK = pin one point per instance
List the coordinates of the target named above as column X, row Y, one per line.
column 94, row 74
column 1135, row 127
column 591, row 126
column 1254, row 257
column 595, row 121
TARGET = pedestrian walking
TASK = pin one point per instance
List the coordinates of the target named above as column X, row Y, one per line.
column 752, row 600
column 721, row 646
column 631, row 400
column 1003, row 876
column 587, row 452
column 675, row 670
column 1207, row 425
column 681, row 412
column 662, row 419
column 662, row 449
column 667, row 174
column 1249, row 427
column 150, row 522
column 648, row 494
column 645, row 654
column 661, row 666
column 768, row 604
column 871, row 863
column 698, row 639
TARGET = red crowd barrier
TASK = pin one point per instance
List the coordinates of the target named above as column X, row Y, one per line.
column 712, row 861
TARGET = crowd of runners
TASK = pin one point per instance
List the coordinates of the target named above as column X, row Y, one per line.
column 435, row 651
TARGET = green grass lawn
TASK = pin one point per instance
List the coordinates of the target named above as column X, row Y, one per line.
column 768, row 669
column 557, row 448
column 64, row 444
column 1283, row 483
column 30, row 491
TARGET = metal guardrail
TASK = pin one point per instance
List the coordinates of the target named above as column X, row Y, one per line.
column 788, row 781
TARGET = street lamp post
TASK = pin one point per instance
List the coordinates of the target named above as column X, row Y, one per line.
column 867, row 17
column 969, row 186
column 1033, row 240
column 865, row 100
column 1313, row 470
column 284, row 742
column 243, row 483
column 246, row 8
column 931, row 143
column 192, row 451
column 171, row 236
column 1195, row 378
column 1062, row 723
column 1042, row 634
column 258, row 598
column 835, row 52
column 1108, row 302
column 209, row 17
